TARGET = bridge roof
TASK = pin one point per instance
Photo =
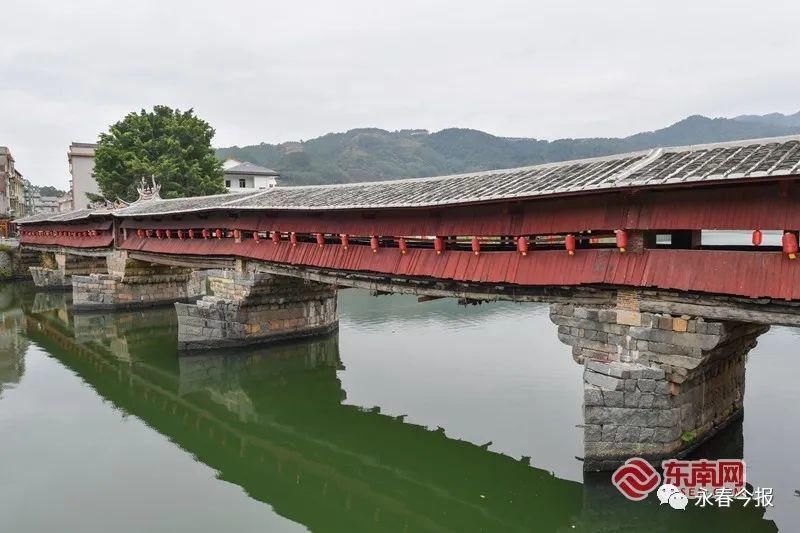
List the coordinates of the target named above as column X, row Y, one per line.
column 660, row 167
column 66, row 216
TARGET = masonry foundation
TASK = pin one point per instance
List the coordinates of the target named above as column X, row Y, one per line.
column 251, row 308
column 56, row 269
column 131, row 283
column 655, row 386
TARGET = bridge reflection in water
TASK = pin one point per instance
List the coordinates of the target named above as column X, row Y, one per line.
column 273, row 421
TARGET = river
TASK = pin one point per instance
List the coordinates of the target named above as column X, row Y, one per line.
column 414, row 417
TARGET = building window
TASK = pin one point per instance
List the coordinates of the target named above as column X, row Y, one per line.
column 228, row 183
column 242, row 183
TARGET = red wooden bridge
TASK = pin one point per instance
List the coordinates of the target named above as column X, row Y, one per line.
column 629, row 220
column 614, row 244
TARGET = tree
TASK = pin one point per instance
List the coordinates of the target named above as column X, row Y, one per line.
column 49, row 190
column 172, row 145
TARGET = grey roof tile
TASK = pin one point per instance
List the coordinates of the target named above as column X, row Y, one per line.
column 250, row 168
column 662, row 166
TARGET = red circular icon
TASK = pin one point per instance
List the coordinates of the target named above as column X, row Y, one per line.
column 636, row 479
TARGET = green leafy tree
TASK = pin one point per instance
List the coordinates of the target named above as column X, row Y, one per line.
column 170, row 144
column 49, row 190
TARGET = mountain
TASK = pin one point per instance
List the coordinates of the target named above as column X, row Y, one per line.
column 774, row 119
column 372, row 154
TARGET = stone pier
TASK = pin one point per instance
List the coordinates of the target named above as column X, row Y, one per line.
column 58, row 268
column 249, row 308
column 132, row 283
column 655, row 386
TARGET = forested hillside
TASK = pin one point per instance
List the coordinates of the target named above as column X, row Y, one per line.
column 369, row 154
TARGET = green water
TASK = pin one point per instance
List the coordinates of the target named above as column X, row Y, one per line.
column 414, row 417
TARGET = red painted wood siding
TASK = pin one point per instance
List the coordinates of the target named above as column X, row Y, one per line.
column 752, row 274
column 98, row 241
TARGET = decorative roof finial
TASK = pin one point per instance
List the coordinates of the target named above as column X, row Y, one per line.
column 148, row 192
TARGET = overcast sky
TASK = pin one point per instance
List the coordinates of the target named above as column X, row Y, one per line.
column 277, row 71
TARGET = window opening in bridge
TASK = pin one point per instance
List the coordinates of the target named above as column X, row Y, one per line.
column 598, row 239
column 740, row 240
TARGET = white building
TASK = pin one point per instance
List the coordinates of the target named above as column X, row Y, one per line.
column 45, row 204
column 65, row 202
column 240, row 175
column 81, row 168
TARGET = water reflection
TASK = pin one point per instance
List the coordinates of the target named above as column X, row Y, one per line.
column 12, row 345
column 275, row 422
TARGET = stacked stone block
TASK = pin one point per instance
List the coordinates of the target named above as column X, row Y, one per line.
column 49, row 278
column 251, row 308
column 132, row 283
column 57, row 269
column 104, row 291
column 655, row 386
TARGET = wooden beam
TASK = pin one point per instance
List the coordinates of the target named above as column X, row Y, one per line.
column 770, row 314
column 199, row 262
column 379, row 293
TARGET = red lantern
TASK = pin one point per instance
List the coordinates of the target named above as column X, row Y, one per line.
column 237, row 234
column 570, row 244
column 320, row 239
column 218, row 233
column 758, row 237
column 180, row 234
column 401, row 242
column 622, row 240
column 476, row 246
column 293, row 238
column 522, row 245
column 374, row 243
column 169, row 234
column 191, row 234
column 140, row 233
column 256, row 236
column 148, row 233
column 206, row 234
column 345, row 240
column 790, row 247
column 438, row 245
column 276, row 237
